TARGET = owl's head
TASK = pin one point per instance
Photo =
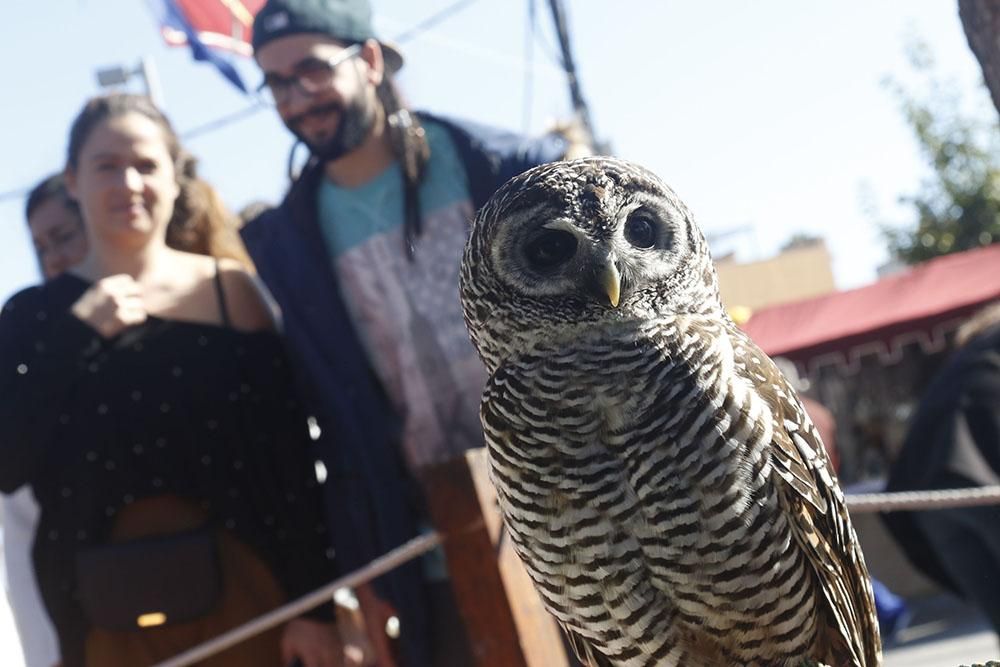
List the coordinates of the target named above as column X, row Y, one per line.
column 585, row 242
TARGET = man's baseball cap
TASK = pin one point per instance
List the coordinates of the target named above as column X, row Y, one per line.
column 348, row 21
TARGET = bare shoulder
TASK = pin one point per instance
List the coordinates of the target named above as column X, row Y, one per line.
column 247, row 300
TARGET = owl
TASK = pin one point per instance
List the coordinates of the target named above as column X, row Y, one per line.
column 658, row 477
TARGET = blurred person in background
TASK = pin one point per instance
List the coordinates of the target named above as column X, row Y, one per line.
column 953, row 442
column 149, row 405
column 56, row 228
column 60, row 242
column 363, row 258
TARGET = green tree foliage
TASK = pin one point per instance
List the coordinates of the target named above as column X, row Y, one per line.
column 958, row 206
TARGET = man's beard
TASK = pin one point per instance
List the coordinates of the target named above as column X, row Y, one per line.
column 356, row 122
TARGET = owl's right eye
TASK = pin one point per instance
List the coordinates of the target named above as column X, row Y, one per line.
column 640, row 231
column 550, row 249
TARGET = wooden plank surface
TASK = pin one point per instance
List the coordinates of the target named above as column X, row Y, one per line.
column 475, row 579
column 540, row 636
column 504, row 618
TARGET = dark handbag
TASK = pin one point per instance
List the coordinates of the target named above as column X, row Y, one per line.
column 148, row 582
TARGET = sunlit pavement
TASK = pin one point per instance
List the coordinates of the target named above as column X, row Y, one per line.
column 942, row 632
column 978, row 647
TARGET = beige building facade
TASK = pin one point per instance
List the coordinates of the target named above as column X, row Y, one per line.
column 798, row 273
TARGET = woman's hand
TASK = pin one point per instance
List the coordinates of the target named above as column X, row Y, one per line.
column 111, row 304
column 317, row 644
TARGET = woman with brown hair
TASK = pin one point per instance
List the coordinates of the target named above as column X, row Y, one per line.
column 148, row 402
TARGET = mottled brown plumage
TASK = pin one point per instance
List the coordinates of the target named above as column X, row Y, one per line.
column 659, row 478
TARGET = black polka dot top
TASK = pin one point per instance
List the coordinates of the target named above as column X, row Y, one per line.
column 195, row 410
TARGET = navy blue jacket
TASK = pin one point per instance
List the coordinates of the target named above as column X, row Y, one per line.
column 373, row 502
column 954, row 431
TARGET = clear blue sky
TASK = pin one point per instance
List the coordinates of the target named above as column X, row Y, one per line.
column 768, row 114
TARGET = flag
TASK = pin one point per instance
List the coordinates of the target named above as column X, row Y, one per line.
column 214, row 29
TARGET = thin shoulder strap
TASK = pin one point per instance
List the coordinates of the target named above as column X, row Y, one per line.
column 221, row 294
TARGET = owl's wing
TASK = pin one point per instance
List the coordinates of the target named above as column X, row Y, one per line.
column 815, row 507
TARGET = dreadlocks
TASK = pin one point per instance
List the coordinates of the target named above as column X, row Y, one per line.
column 409, row 145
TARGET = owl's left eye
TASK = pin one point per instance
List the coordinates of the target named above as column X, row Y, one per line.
column 640, row 231
column 550, row 249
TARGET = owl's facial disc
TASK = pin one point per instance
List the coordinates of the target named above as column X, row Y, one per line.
column 646, row 247
column 541, row 255
column 559, row 251
column 645, row 232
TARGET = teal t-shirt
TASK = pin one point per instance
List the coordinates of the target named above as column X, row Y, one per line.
column 351, row 216
column 407, row 312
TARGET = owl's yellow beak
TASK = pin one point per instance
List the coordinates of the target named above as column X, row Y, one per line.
column 611, row 281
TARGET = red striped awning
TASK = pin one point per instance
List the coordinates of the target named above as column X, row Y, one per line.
column 928, row 293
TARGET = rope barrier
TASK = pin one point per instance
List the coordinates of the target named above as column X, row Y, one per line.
column 922, row 500
column 857, row 503
column 376, row 568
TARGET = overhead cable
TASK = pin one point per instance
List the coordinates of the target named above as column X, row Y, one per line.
column 229, row 119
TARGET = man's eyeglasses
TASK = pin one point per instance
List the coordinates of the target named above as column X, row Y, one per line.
column 312, row 76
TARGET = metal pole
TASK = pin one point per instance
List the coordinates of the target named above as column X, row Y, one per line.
column 152, row 81
column 575, row 93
